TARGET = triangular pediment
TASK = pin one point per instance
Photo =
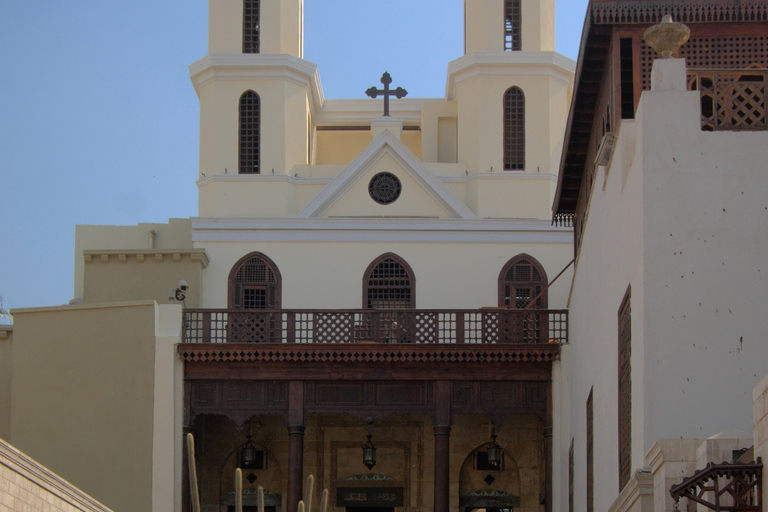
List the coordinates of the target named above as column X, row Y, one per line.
column 422, row 193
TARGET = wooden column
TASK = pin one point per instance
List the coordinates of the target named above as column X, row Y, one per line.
column 548, row 451
column 442, row 428
column 295, row 444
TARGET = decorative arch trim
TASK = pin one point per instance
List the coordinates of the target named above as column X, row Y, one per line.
column 258, row 287
column 520, row 281
column 389, row 283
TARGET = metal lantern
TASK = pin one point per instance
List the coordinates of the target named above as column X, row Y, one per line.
column 494, row 451
column 248, row 454
column 369, row 453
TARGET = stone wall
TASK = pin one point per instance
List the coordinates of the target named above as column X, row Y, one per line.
column 27, row 486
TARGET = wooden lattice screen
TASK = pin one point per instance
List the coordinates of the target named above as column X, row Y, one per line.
column 254, row 283
column 389, row 284
column 730, row 72
column 251, row 25
column 514, row 129
column 250, row 133
column 590, row 456
column 512, row 18
column 625, row 391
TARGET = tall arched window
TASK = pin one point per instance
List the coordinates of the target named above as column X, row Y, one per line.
column 250, row 26
column 250, row 133
column 512, row 39
column 521, row 280
column 514, row 129
column 389, row 283
column 254, row 283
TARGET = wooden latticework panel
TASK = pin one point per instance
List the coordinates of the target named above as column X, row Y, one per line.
column 590, row 455
column 389, row 284
column 731, row 100
column 254, row 327
column 250, row 133
column 496, row 326
column 254, row 283
column 522, row 280
column 512, row 19
column 251, row 25
column 625, row 392
column 712, row 52
column 514, row 129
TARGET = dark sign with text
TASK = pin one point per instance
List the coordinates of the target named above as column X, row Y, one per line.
column 369, row 497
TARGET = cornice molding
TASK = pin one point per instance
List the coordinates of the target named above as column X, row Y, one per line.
column 250, row 66
column 345, row 353
column 380, row 229
column 508, row 65
column 645, row 12
column 324, row 180
column 140, row 255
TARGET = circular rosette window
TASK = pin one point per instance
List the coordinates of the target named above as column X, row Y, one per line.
column 385, row 188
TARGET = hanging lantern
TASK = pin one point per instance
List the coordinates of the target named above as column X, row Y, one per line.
column 494, row 451
column 248, row 455
column 369, row 453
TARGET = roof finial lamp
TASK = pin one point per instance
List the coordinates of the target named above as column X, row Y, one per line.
column 667, row 37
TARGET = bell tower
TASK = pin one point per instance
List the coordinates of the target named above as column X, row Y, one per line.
column 256, row 99
column 512, row 92
column 256, row 26
column 509, row 25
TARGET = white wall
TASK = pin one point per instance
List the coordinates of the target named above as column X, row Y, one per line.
column 682, row 219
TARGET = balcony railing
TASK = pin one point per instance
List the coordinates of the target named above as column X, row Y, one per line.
column 731, row 99
column 484, row 326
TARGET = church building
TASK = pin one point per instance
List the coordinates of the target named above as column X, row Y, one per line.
column 542, row 292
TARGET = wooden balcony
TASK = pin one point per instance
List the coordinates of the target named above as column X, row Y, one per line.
column 365, row 326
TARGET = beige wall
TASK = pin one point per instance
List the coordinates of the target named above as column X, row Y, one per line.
column 84, row 395
column 125, row 275
column 466, row 276
column 176, row 234
column 6, row 364
column 26, row 486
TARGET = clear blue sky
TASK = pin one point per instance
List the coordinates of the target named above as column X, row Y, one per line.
column 99, row 121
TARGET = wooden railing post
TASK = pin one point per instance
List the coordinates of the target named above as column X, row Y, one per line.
column 460, row 326
column 206, row 326
column 291, row 327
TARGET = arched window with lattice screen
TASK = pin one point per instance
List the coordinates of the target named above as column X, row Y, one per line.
column 389, row 283
column 522, row 280
column 250, row 133
column 255, row 283
column 251, row 33
column 512, row 17
column 514, row 129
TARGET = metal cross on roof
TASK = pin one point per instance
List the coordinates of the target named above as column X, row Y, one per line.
column 397, row 93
